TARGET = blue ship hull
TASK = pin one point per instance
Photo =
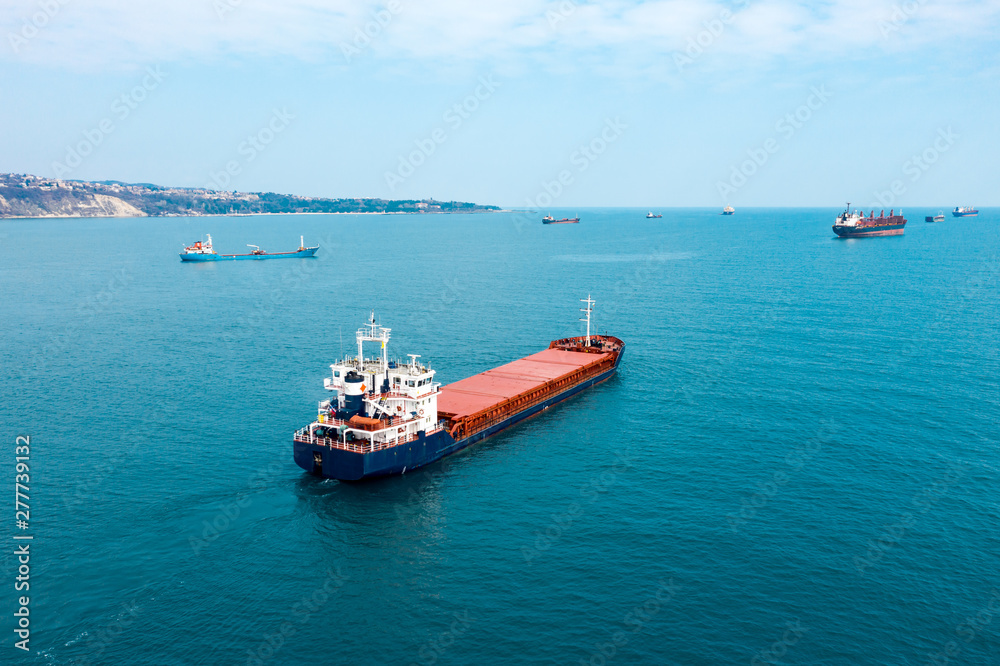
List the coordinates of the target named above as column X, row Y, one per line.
column 308, row 252
column 351, row 466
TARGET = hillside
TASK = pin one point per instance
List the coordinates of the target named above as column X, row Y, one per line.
column 29, row 196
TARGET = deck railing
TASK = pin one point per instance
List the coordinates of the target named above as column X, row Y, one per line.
column 393, row 421
column 357, row 446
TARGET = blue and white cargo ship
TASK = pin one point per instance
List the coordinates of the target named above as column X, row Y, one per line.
column 204, row 252
column 387, row 417
column 965, row 211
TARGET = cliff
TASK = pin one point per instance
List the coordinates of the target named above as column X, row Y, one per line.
column 29, row 196
column 61, row 203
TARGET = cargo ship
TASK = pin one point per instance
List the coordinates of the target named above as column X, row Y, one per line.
column 650, row 216
column 856, row 225
column 388, row 417
column 728, row 210
column 935, row 218
column 548, row 219
column 965, row 211
column 204, row 252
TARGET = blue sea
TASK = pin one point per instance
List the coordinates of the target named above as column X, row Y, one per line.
column 797, row 463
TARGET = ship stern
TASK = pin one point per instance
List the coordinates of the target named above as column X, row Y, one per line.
column 329, row 463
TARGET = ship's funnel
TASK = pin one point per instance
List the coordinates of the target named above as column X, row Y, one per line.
column 353, row 393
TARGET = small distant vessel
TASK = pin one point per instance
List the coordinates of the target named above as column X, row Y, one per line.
column 728, row 210
column 650, row 216
column 965, row 211
column 204, row 252
column 548, row 219
column 856, row 225
column 935, row 218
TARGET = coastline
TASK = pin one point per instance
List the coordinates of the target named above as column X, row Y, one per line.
column 26, row 196
column 153, row 217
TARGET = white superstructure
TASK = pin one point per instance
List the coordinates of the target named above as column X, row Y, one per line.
column 378, row 402
column 849, row 219
column 200, row 247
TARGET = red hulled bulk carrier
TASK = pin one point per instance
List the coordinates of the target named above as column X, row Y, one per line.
column 856, row 225
column 388, row 417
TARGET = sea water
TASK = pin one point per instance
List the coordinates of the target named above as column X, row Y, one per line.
column 797, row 462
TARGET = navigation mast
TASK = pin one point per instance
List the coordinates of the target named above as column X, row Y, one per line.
column 374, row 333
column 590, row 307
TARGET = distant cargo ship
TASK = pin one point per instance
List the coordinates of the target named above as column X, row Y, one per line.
column 965, row 211
column 204, row 252
column 388, row 417
column 548, row 219
column 856, row 225
column 650, row 216
column 935, row 218
column 728, row 210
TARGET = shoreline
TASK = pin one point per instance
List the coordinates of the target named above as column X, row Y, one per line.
column 160, row 217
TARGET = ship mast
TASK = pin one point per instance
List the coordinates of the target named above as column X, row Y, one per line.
column 374, row 333
column 590, row 307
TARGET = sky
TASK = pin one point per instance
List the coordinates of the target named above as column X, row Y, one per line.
column 517, row 103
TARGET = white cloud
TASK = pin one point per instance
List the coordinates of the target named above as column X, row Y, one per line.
column 618, row 35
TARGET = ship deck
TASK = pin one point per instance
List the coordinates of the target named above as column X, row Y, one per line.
column 493, row 387
column 481, row 401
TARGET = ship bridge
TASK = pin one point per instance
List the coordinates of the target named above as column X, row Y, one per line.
column 377, row 402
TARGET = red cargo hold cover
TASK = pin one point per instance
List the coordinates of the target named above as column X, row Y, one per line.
column 478, row 392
